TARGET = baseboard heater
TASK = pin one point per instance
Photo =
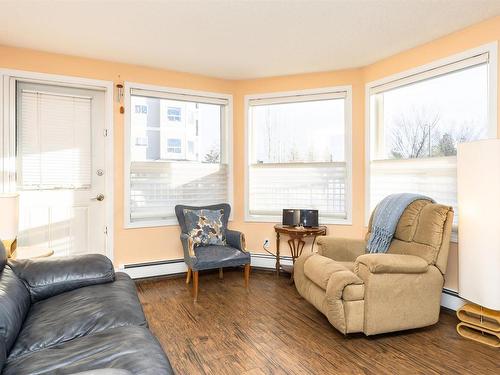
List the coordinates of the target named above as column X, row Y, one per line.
column 449, row 298
column 177, row 266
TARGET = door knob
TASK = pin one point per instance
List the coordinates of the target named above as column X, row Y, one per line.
column 99, row 197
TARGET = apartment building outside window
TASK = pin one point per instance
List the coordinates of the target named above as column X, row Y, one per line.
column 184, row 158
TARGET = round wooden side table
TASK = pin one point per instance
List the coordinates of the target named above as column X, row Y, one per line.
column 296, row 242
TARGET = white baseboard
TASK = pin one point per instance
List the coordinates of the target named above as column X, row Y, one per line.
column 139, row 271
column 449, row 298
column 176, row 266
column 268, row 261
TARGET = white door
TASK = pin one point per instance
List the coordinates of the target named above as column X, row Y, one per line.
column 60, row 163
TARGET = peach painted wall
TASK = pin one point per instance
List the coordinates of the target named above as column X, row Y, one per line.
column 149, row 244
column 131, row 245
column 257, row 232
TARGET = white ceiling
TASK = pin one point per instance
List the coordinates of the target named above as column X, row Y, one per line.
column 236, row 39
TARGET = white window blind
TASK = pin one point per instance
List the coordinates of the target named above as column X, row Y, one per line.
column 416, row 123
column 193, row 171
column 156, row 187
column 434, row 177
column 54, row 141
column 297, row 155
column 320, row 186
column 465, row 63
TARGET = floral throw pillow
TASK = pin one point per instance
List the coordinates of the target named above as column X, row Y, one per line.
column 205, row 227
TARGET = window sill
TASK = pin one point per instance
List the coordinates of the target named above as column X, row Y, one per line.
column 278, row 219
column 157, row 223
column 150, row 224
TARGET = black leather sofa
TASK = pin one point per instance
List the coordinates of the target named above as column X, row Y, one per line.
column 73, row 315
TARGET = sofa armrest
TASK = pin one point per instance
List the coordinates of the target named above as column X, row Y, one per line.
column 47, row 277
column 392, row 263
column 340, row 249
column 236, row 239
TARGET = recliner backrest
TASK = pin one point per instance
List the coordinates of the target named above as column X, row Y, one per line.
column 14, row 305
column 424, row 230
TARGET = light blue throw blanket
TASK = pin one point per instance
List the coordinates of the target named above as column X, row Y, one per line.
column 386, row 218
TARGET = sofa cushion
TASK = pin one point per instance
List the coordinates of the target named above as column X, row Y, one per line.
column 319, row 269
column 210, row 257
column 79, row 312
column 129, row 348
column 14, row 305
column 47, row 277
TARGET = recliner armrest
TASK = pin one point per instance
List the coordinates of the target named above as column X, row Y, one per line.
column 47, row 277
column 392, row 263
column 340, row 249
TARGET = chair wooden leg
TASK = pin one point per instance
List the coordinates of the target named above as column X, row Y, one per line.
column 221, row 275
column 188, row 277
column 195, row 285
column 247, row 274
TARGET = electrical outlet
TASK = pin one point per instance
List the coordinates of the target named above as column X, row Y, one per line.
column 266, row 244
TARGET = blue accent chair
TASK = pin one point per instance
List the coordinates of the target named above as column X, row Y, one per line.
column 215, row 256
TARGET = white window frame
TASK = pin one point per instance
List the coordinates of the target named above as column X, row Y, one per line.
column 437, row 67
column 226, row 144
column 347, row 150
column 8, row 77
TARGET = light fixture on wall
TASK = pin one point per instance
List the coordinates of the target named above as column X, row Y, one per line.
column 478, row 173
column 9, row 219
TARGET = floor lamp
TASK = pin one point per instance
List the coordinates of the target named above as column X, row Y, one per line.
column 478, row 177
column 9, row 220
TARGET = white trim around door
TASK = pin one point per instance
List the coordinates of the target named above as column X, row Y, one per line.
column 8, row 140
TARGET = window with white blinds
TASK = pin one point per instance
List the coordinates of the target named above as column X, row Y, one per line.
column 184, row 157
column 299, row 155
column 54, row 140
column 417, row 121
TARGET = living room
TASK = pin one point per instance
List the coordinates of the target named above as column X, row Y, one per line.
column 209, row 187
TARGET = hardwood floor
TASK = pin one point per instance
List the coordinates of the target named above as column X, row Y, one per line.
column 270, row 329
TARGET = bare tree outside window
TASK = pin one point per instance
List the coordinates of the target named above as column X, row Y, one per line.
column 212, row 156
column 420, row 134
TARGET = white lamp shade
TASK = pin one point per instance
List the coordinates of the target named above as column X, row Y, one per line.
column 9, row 216
column 478, row 177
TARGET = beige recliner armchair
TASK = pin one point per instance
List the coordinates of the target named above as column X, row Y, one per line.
column 377, row 293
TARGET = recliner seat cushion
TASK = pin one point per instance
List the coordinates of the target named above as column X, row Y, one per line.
column 218, row 256
column 79, row 312
column 129, row 348
column 319, row 269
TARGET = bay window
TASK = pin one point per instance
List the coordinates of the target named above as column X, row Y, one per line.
column 184, row 158
column 299, row 154
column 417, row 120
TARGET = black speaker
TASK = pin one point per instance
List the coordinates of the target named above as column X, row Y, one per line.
column 309, row 218
column 295, row 217
column 291, row 217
